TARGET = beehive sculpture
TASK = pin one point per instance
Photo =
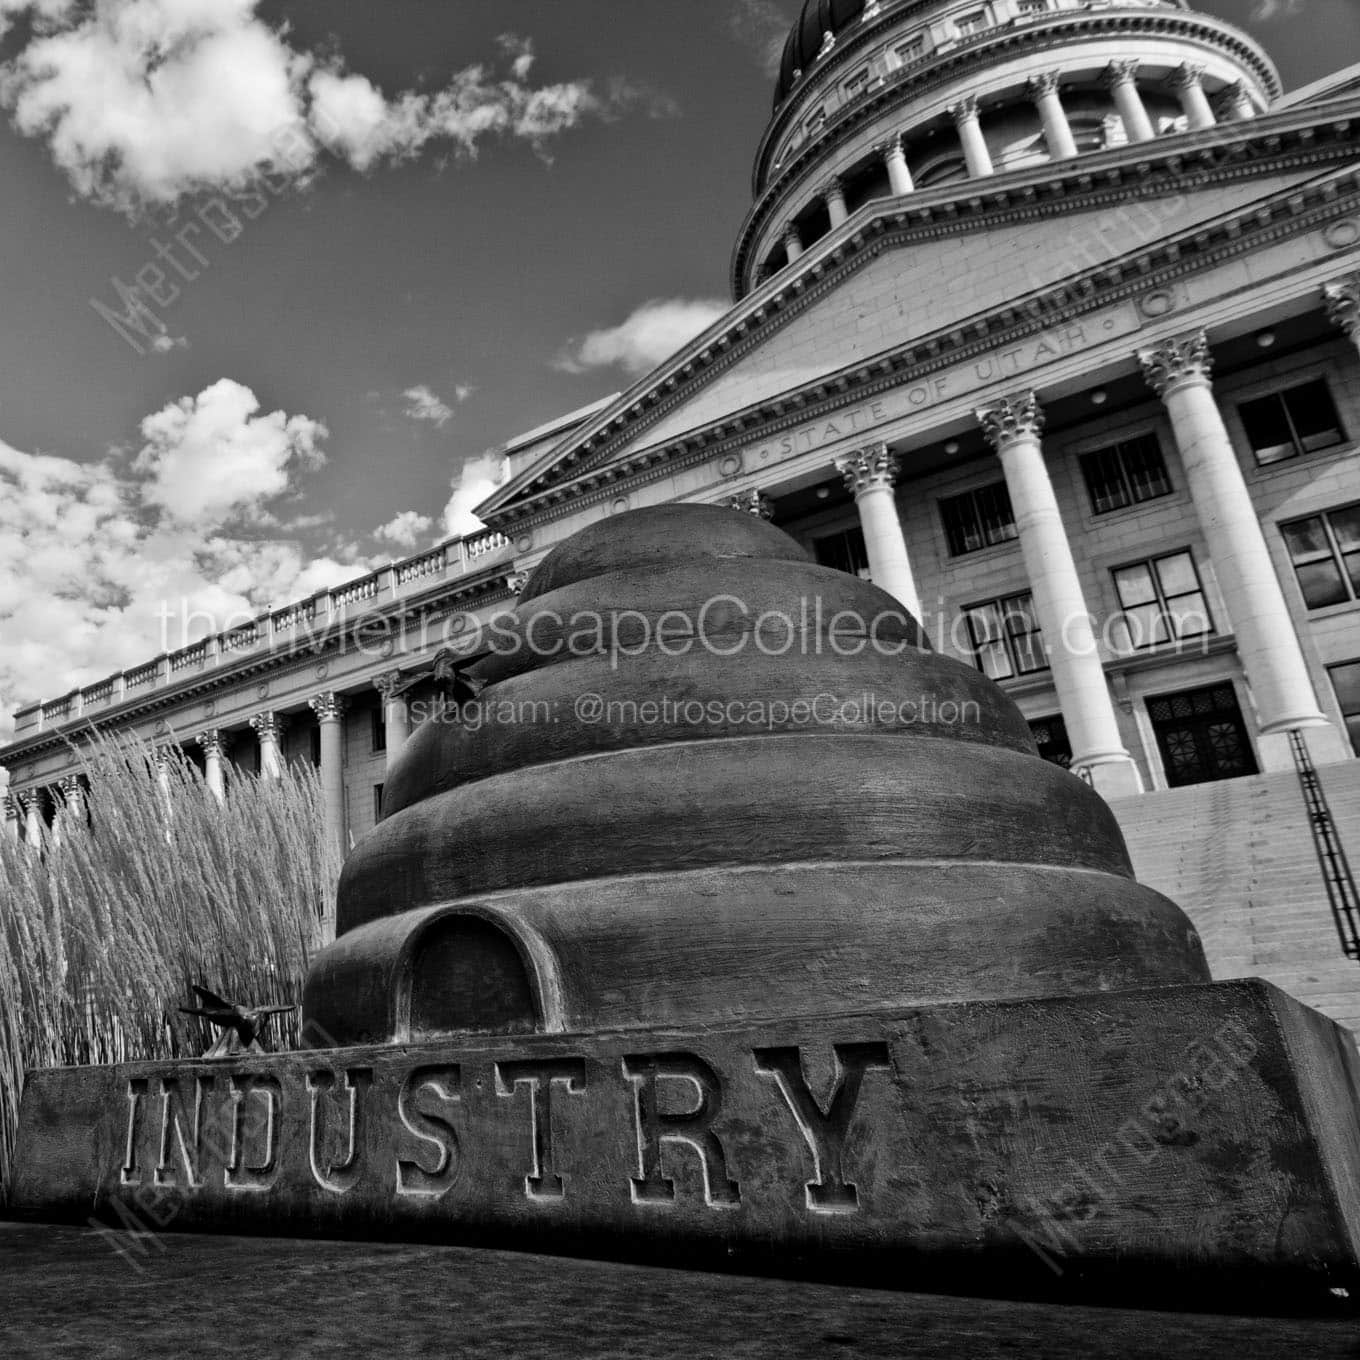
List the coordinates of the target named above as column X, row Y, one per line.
column 718, row 920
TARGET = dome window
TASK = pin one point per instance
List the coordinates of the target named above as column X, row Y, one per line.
column 857, row 84
column 968, row 24
column 1027, row 8
column 912, row 50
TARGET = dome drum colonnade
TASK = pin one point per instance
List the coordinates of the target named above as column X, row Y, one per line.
column 1203, row 70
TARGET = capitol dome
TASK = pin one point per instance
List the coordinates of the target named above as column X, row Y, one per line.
column 889, row 98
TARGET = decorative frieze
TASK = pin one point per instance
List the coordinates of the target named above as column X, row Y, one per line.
column 1185, row 358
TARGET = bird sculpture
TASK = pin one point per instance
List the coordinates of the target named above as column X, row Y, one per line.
column 241, row 1027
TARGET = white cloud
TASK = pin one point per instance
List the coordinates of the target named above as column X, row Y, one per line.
column 144, row 101
column 406, row 529
column 650, row 335
column 1266, row 10
column 476, row 480
column 763, row 27
column 97, row 574
column 211, row 457
column 423, row 404
column 165, row 343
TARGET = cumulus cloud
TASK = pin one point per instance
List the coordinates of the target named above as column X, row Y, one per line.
column 650, row 335
column 105, row 564
column 165, row 343
column 406, row 529
column 1265, row 10
column 211, row 458
column 475, row 481
column 762, row 27
column 423, row 404
column 144, row 101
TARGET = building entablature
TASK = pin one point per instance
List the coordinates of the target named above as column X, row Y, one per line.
column 821, row 110
column 377, row 626
column 591, row 466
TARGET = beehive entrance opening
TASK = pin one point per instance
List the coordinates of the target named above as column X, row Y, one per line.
column 469, row 976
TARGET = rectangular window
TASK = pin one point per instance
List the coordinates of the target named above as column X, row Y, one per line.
column 971, row 23
column 1033, row 6
column 911, row 50
column 377, row 802
column 1005, row 637
column 845, row 551
column 379, row 729
column 1162, row 600
column 1296, row 420
column 857, row 83
column 816, row 120
column 1325, row 551
column 1125, row 474
column 315, row 748
column 1050, row 736
column 1346, row 683
column 978, row 519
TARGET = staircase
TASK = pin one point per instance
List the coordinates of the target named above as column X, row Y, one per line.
column 1239, row 857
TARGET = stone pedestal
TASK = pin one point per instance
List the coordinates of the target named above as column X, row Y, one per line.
column 1190, row 1144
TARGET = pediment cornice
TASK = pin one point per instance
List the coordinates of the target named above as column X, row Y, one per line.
column 584, row 468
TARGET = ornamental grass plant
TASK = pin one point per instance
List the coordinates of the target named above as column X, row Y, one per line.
column 138, row 890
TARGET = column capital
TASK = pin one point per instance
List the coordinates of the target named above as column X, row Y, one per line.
column 891, row 146
column 215, row 743
column 269, row 726
column 1123, row 71
column 516, row 581
column 1173, row 363
column 9, row 807
column 30, row 800
column 389, row 684
column 1185, row 76
column 752, row 502
column 1013, row 418
column 1046, row 82
column 867, row 469
column 965, row 110
column 328, row 707
column 71, row 787
column 1342, row 299
column 832, row 186
column 1230, row 99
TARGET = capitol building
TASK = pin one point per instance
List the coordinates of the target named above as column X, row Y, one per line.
column 1046, row 318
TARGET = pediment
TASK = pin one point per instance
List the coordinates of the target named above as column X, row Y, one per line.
column 856, row 305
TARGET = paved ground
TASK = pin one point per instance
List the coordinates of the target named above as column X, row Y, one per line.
column 66, row 1292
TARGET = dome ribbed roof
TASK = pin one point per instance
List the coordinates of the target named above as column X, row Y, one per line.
column 819, row 17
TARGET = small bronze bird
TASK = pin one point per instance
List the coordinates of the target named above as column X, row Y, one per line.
column 242, row 1028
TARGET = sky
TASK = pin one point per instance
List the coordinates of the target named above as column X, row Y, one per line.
column 369, row 243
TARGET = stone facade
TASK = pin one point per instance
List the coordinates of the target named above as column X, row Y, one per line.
column 1088, row 381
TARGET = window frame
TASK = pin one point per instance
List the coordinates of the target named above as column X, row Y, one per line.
column 1278, row 389
column 971, row 494
column 1335, row 550
column 1116, row 447
column 378, row 729
column 856, row 85
column 1006, row 636
column 1347, row 717
column 1173, row 637
column 914, row 47
column 983, row 21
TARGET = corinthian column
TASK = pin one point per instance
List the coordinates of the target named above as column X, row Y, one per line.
column 1178, row 371
column 1044, row 90
column 396, row 719
column 9, row 806
column 793, row 242
column 895, row 160
column 1121, row 80
column 1342, row 299
column 1234, row 103
column 870, row 476
column 30, row 804
column 214, row 744
column 330, row 714
column 834, row 198
column 269, row 727
column 1187, row 81
column 751, row 502
column 1013, row 428
column 975, row 154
